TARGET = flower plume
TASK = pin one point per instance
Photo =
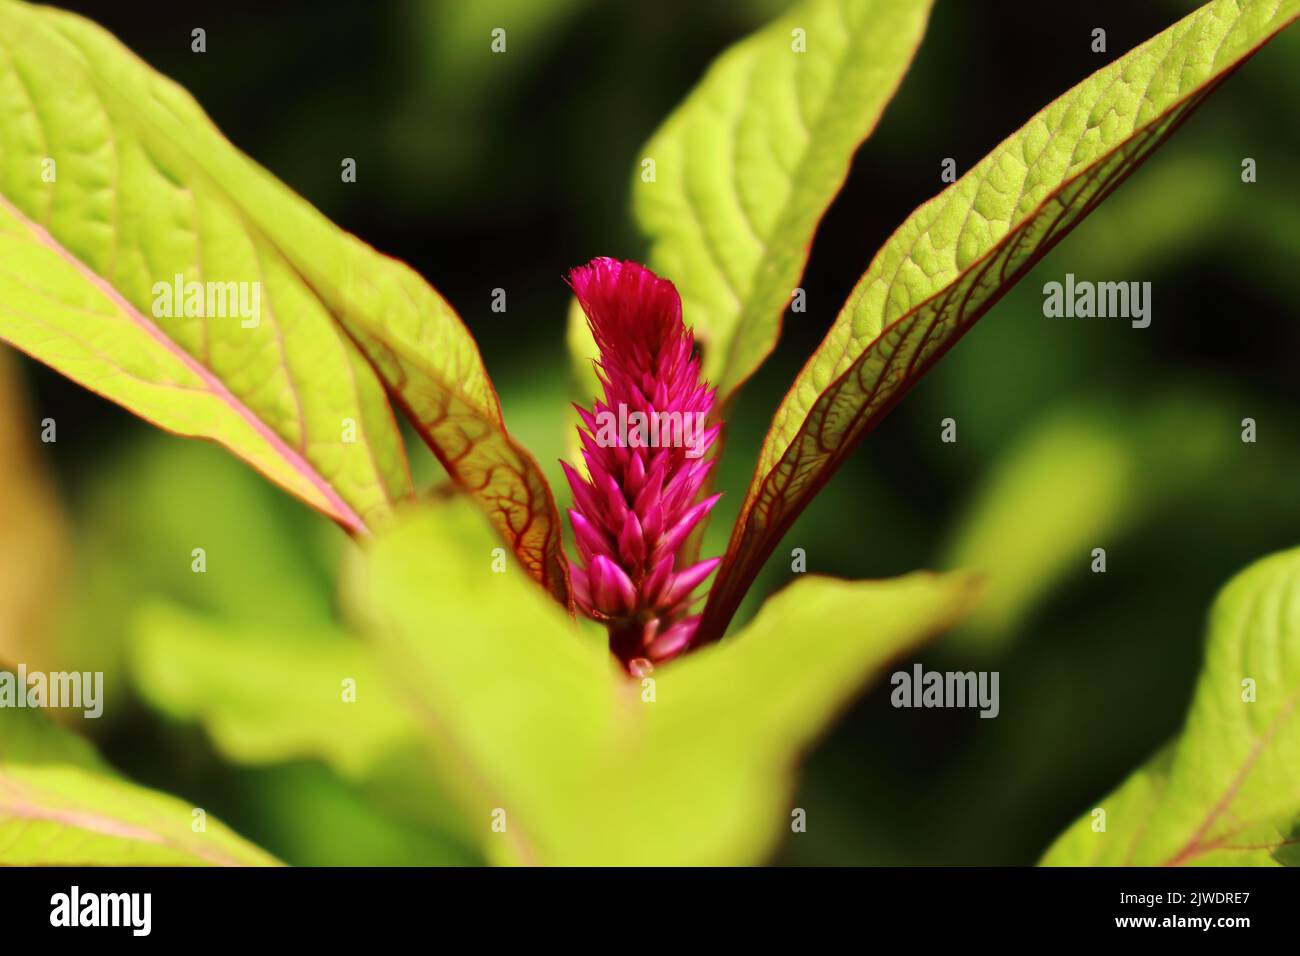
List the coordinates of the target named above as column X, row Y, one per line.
column 645, row 445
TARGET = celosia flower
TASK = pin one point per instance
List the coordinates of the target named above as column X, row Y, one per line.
column 644, row 445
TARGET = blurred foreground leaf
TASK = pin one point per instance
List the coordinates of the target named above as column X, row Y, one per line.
column 140, row 516
column 269, row 696
column 537, row 729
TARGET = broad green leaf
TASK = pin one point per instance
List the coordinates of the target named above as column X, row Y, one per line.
column 141, row 503
column 59, row 807
column 957, row 254
column 746, row 166
column 514, row 704
column 107, row 187
column 270, row 696
column 735, row 720
column 532, row 717
column 1227, row 790
column 147, row 189
column 235, row 649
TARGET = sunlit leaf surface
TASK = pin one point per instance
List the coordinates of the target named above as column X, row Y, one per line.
column 954, row 257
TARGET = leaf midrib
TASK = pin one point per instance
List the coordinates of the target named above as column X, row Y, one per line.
column 1171, row 117
column 815, row 132
column 1187, row 99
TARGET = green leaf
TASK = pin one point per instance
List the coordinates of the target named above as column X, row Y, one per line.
column 1227, row 790
column 147, row 189
column 269, row 696
column 511, row 700
column 137, row 197
column 532, row 717
column 746, row 166
column 734, row 720
column 957, row 254
column 60, row 807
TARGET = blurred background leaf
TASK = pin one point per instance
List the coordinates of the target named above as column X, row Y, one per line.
column 1093, row 473
column 33, row 531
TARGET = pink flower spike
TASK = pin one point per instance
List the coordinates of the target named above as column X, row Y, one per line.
column 612, row 591
column 673, row 641
column 677, row 534
column 687, row 581
column 645, row 441
column 590, row 542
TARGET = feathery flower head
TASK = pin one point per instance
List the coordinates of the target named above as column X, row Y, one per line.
column 644, row 445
